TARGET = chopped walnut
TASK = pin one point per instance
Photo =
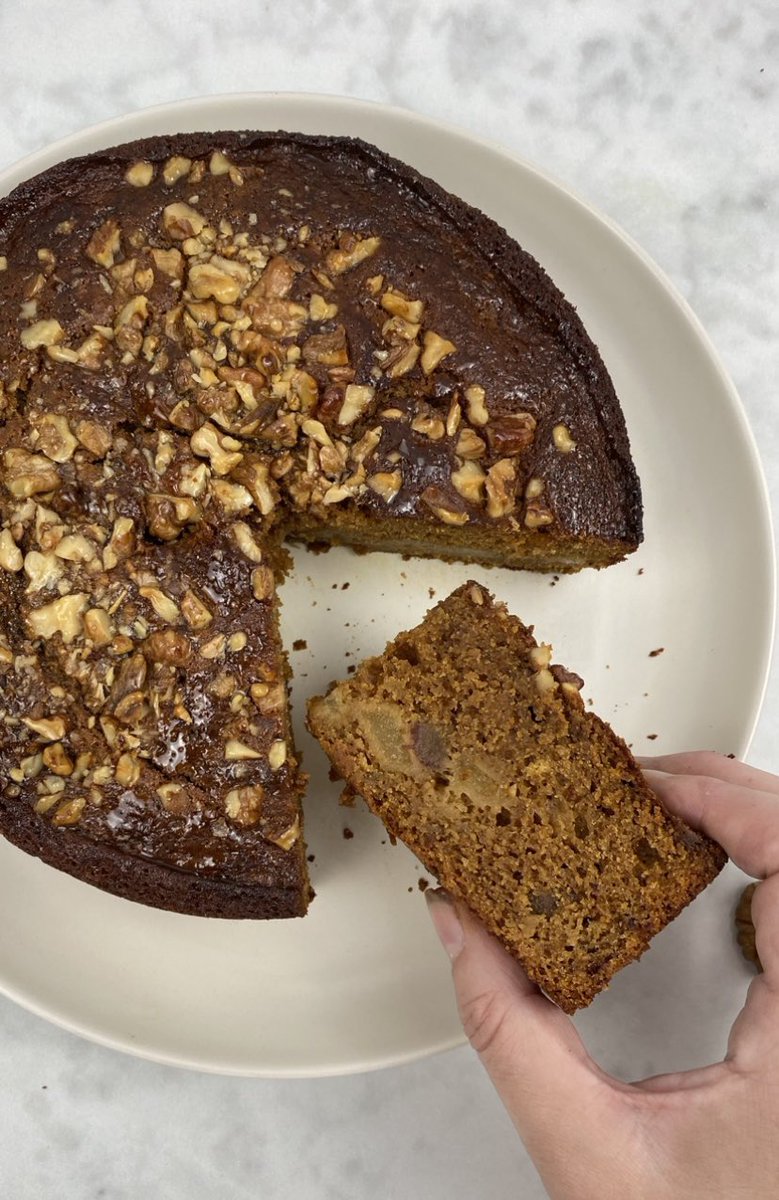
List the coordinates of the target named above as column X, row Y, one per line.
column 105, row 243
column 435, row 349
column 475, row 397
column 61, row 616
column 11, row 557
column 244, row 804
column 42, row 333
column 443, row 506
column 398, row 305
column 501, row 488
column 469, row 481
column 357, row 398
column 167, row 516
column 385, row 484
column 139, row 174
column 509, row 435
column 562, row 439
column 351, row 252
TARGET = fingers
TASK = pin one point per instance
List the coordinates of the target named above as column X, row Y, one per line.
column 531, row 1050
column 717, row 766
column 743, row 819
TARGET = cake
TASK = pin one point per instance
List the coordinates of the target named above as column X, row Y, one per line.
column 480, row 755
column 213, row 343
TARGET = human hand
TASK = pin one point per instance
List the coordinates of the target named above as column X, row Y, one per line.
column 706, row 1134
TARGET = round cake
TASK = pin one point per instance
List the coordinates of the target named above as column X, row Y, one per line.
column 212, row 343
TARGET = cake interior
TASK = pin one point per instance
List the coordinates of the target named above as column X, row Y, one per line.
column 523, row 804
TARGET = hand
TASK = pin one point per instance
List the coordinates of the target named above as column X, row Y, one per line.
column 707, row 1134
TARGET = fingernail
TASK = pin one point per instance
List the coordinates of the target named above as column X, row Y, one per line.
column 445, row 921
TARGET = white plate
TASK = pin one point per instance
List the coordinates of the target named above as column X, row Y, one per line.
column 361, row 982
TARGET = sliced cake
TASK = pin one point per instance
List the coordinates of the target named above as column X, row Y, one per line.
column 480, row 755
column 211, row 342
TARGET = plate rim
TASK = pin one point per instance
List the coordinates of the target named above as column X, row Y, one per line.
column 328, row 103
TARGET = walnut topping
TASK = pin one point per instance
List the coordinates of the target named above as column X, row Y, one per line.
column 244, row 804
column 402, row 359
column 501, row 485
column 320, row 309
column 57, row 760
column 42, row 333
column 263, row 585
column 441, row 504
column 11, row 558
column 327, row 349
column 55, row 438
column 167, row 646
column 51, row 729
column 469, row 481
column 29, row 474
column 69, row 811
column 246, row 542
column 535, row 488
column 128, row 770
column 74, row 547
column 214, row 648
column 357, row 398
column 176, row 168
column 176, row 800
column 236, row 751
column 98, row 627
column 386, row 484
column 165, row 608
column 477, row 409
column 61, row 616
column 277, row 755
column 168, row 515
column 223, row 451
column 562, row 439
column 195, row 612
column 42, row 570
column 121, row 543
column 105, row 243
column 287, row 839
column 233, row 497
column 537, row 514
column 399, row 305
column 140, row 174
column 222, row 278
column 429, row 426
column 435, row 348
column 180, row 221
column 470, row 445
column 510, row 434
column 352, row 252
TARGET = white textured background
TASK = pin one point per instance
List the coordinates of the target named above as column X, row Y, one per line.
column 666, row 116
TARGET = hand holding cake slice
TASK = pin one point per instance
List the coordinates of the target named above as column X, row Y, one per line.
column 480, row 755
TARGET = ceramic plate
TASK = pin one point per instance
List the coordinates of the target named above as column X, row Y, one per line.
column 361, row 982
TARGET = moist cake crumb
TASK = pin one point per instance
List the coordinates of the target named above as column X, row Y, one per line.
column 476, row 750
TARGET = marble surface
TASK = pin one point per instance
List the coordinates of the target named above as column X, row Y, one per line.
column 666, row 117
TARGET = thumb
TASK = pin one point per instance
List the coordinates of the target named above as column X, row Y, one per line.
column 531, row 1050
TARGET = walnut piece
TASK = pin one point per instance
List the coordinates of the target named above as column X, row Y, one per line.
column 435, row 349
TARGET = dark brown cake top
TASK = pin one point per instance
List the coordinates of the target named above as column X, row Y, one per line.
column 203, row 338
column 312, row 302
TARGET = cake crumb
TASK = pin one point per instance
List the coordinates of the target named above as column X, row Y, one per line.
column 300, row 644
column 351, row 669
column 654, row 653
column 310, row 858
column 651, row 737
column 347, row 833
column 345, row 586
column 409, row 889
column 431, row 592
column 423, row 884
column 640, row 571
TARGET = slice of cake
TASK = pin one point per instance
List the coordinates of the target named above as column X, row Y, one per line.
column 480, row 755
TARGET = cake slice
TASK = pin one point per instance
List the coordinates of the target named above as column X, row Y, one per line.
column 480, row 755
